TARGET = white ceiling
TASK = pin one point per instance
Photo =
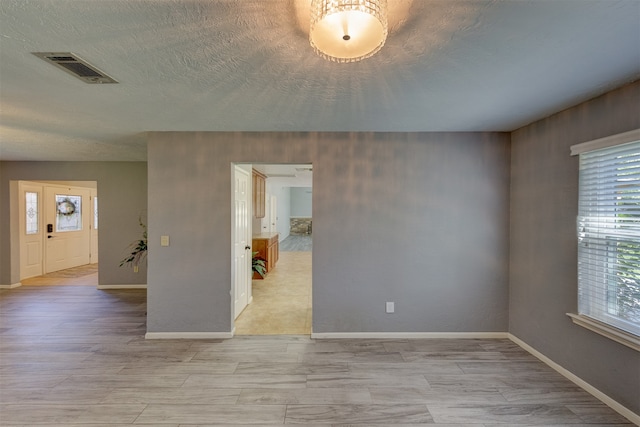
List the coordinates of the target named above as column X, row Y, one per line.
column 246, row 65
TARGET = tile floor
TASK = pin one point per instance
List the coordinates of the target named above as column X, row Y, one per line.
column 282, row 301
column 72, row 355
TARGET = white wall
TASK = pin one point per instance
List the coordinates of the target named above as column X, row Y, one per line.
column 283, row 199
column 301, row 202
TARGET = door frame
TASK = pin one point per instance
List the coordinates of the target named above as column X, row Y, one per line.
column 16, row 212
column 251, row 218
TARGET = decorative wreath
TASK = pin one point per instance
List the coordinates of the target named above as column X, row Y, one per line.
column 66, row 207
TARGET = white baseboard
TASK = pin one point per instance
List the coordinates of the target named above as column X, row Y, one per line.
column 625, row 412
column 187, row 335
column 124, row 286
column 408, row 335
column 12, row 286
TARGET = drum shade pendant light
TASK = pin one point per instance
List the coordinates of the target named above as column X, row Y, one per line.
column 348, row 30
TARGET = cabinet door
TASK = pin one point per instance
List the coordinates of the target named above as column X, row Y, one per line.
column 259, row 192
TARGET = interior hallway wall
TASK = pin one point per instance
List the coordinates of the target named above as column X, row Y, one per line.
column 543, row 269
column 415, row 218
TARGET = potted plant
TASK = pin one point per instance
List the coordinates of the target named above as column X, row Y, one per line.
column 258, row 266
column 138, row 250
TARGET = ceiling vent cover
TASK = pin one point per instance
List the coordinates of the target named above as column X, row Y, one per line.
column 75, row 66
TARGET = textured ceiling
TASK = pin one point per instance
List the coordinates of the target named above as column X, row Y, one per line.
column 246, row 65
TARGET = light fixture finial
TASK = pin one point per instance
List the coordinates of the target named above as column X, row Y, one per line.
column 348, row 30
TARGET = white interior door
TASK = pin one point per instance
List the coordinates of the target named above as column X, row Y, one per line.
column 273, row 215
column 67, row 221
column 31, row 233
column 241, row 241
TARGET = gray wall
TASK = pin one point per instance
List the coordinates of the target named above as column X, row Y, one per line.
column 301, row 201
column 420, row 219
column 122, row 189
column 543, row 268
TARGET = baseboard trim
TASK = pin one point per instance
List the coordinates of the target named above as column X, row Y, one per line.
column 124, row 286
column 622, row 410
column 187, row 335
column 409, row 335
column 12, row 286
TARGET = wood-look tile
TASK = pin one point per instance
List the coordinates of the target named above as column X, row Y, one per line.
column 29, row 380
column 111, row 381
column 246, row 381
column 312, row 396
column 500, row 367
column 366, row 380
column 169, row 368
column 423, row 367
column 172, row 395
column 218, row 414
column 506, row 414
column 372, row 357
column 549, row 395
column 360, row 414
column 69, row 413
column 297, row 368
column 399, row 395
column 416, row 356
column 52, row 396
column 596, row 412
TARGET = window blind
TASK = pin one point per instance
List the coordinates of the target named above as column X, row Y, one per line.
column 609, row 236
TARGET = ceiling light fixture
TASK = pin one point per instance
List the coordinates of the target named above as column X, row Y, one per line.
column 348, row 30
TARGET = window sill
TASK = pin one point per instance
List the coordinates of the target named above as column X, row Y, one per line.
column 610, row 332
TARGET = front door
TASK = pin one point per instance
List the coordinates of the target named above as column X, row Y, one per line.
column 241, row 241
column 67, row 227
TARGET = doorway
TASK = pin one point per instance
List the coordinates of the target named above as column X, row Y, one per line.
column 57, row 226
column 280, row 303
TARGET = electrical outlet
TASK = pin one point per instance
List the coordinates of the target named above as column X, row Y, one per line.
column 391, row 307
column 164, row 240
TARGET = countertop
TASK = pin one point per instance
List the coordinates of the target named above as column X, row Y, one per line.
column 267, row 235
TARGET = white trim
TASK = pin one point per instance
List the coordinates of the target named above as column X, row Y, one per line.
column 12, row 286
column 625, row 412
column 124, row 286
column 606, row 142
column 409, row 335
column 605, row 330
column 187, row 335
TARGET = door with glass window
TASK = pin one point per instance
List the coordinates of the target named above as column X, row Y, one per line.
column 67, row 231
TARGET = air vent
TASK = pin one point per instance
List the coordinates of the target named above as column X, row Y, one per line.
column 75, row 66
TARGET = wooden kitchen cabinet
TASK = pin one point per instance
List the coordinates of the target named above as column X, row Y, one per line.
column 267, row 246
column 259, row 194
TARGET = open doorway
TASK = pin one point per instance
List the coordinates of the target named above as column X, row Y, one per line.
column 280, row 303
column 57, row 225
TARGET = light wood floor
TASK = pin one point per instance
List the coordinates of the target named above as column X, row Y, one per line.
column 72, row 355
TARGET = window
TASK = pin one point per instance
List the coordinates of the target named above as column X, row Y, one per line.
column 95, row 213
column 32, row 219
column 608, row 229
column 69, row 213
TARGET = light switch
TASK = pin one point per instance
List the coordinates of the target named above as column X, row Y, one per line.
column 164, row 240
column 390, row 307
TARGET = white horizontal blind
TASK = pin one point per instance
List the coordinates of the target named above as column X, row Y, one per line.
column 609, row 236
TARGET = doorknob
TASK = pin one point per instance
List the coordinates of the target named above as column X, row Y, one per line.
column 247, row 247
column 51, row 237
